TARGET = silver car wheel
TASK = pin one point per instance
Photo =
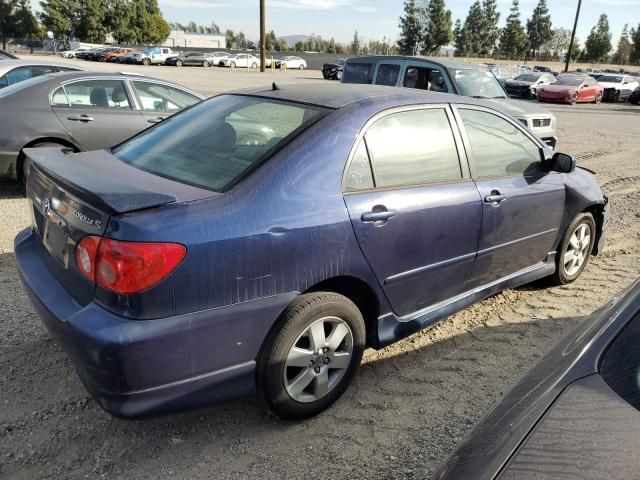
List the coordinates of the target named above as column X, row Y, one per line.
column 318, row 359
column 577, row 250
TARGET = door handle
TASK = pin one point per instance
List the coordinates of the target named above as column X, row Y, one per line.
column 81, row 118
column 495, row 197
column 382, row 216
column 155, row 120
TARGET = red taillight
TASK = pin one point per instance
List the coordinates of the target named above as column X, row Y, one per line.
column 127, row 267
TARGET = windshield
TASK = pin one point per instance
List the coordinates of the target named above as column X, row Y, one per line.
column 477, row 83
column 527, row 77
column 570, row 81
column 610, row 79
column 217, row 142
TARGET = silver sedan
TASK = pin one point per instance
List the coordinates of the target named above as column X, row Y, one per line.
column 82, row 111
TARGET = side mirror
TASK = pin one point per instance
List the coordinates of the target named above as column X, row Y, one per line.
column 562, row 163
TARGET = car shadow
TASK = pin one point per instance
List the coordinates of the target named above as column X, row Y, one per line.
column 431, row 387
column 11, row 189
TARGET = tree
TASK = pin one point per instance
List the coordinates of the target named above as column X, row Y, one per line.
column 60, row 16
column 598, row 43
column 459, row 39
column 300, row 46
column 282, row 45
column 230, row 38
column 558, row 44
column 355, row 44
column 513, row 39
column 473, row 30
column 490, row 30
column 91, row 25
column 156, row 31
column 635, row 39
column 539, row 27
column 118, row 20
column 410, row 30
column 437, row 27
column 17, row 21
column 623, row 54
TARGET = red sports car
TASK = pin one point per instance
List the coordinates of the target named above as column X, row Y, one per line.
column 572, row 89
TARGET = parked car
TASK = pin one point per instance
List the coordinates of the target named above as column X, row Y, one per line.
column 114, row 55
column 618, row 88
column 572, row 89
column 503, row 73
column 152, row 56
column 635, row 96
column 573, row 416
column 241, row 60
column 129, row 58
column 526, row 85
column 72, row 53
column 248, row 242
column 333, row 71
column 291, row 62
column 81, row 111
column 100, row 54
column 450, row 76
column 540, row 68
column 16, row 71
column 199, row 59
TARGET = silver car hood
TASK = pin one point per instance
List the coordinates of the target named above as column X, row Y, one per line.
column 519, row 108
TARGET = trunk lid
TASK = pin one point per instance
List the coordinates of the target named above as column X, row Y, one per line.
column 74, row 195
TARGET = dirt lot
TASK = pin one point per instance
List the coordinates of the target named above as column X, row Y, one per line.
column 409, row 406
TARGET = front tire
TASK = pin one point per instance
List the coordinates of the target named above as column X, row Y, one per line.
column 575, row 249
column 146, row 62
column 598, row 98
column 311, row 355
column 178, row 63
column 574, row 99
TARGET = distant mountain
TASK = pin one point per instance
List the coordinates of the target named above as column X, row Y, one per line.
column 293, row 39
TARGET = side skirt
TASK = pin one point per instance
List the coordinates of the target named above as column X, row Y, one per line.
column 392, row 328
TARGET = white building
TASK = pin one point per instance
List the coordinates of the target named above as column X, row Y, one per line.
column 179, row 38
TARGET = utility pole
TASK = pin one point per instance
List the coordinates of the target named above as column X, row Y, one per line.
column 573, row 36
column 263, row 37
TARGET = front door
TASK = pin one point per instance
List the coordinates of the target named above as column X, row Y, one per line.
column 522, row 203
column 417, row 216
column 98, row 113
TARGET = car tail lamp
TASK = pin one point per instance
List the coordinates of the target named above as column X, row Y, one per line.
column 127, row 267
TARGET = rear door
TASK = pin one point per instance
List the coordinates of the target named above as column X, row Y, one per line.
column 522, row 203
column 414, row 209
column 388, row 72
column 99, row 113
column 424, row 75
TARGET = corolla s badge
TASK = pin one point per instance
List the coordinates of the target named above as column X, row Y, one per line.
column 89, row 221
column 46, row 206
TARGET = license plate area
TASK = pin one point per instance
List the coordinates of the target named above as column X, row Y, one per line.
column 55, row 238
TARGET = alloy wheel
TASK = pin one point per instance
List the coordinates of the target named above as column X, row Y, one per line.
column 577, row 250
column 574, row 99
column 318, row 359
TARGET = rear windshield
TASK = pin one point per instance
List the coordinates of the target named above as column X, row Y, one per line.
column 610, row 78
column 570, row 81
column 358, row 72
column 527, row 77
column 217, row 142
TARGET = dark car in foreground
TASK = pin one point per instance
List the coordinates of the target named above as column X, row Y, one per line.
column 526, row 85
column 573, row 416
column 333, row 70
column 635, row 96
column 263, row 239
column 81, row 111
column 444, row 75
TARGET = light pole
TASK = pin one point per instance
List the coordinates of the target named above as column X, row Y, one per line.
column 573, row 36
column 263, row 37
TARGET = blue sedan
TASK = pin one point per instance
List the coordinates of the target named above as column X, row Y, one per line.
column 262, row 240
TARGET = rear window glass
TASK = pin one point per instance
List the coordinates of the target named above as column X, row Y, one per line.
column 358, row 72
column 217, row 142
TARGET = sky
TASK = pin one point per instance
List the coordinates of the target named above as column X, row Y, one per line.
column 374, row 19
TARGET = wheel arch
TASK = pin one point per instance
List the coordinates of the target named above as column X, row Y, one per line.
column 597, row 210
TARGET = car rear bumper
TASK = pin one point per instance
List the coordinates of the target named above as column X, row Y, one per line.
column 143, row 367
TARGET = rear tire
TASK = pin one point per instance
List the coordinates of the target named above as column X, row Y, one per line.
column 311, row 355
column 575, row 249
column 146, row 62
column 178, row 63
column 598, row 98
column 254, row 65
column 339, row 76
column 574, row 99
column 205, row 64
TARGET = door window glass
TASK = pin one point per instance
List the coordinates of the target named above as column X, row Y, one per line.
column 4, row 81
column 59, row 98
column 162, row 98
column 500, row 149
column 98, row 94
column 424, row 78
column 358, row 73
column 412, row 148
column 387, row 74
column 359, row 176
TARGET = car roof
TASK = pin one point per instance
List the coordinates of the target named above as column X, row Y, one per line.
column 337, row 95
column 440, row 61
column 10, row 64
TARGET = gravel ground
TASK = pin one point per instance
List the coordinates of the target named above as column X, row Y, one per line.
column 409, row 406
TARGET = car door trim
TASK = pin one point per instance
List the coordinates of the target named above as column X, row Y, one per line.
column 516, row 241
column 400, row 277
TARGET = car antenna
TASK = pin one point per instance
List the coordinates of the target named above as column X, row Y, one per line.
column 274, row 87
